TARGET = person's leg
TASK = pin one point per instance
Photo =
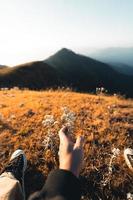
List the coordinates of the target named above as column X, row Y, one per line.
column 10, row 188
column 12, row 177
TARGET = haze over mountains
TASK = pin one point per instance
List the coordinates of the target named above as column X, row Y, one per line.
column 66, row 68
column 120, row 58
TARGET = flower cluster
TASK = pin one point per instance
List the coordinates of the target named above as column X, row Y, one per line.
column 49, row 142
column 129, row 196
column 115, row 152
column 101, row 90
column 107, row 177
column 4, row 89
column 68, row 118
column 48, row 120
column 15, row 88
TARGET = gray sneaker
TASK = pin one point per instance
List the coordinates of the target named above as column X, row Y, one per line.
column 128, row 155
column 17, row 166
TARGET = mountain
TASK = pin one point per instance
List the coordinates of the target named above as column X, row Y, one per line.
column 66, row 68
column 114, row 55
column 121, row 59
column 34, row 75
column 85, row 73
column 123, row 68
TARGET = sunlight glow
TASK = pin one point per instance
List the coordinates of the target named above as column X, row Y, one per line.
column 34, row 29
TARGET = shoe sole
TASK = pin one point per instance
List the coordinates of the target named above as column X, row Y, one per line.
column 17, row 153
column 127, row 152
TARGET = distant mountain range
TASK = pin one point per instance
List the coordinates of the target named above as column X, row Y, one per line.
column 120, row 58
column 115, row 55
column 66, row 68
column 122, row 68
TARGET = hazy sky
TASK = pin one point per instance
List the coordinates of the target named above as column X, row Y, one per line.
column 33, row 29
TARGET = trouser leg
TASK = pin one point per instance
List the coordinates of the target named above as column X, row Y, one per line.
column 10, row 188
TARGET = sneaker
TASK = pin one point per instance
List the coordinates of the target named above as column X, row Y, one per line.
column 128, row 155
column 17, row 166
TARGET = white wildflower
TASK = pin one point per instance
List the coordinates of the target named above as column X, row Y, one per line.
column 48, row 120
column 101, row 90
column 4, row 89
column 115, row 152
column 129, row 196
column 49, row 143
column 108, row 107
column 15, row 88
column 68, row 116
column 68, row 119
column 107, row 177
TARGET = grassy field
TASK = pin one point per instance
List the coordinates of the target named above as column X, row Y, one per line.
column 30, row 120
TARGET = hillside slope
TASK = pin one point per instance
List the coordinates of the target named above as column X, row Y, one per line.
column 34, row 75
column 30, row 120
column 85, row 73
column 123, row 68
column 66, row 68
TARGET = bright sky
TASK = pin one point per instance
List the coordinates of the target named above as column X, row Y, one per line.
column 34, row 29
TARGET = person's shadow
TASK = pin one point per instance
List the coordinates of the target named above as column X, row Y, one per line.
column 34, row 180
column 91, row 188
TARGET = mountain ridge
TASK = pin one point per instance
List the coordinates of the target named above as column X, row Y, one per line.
column 69, row 69
column 99, row 73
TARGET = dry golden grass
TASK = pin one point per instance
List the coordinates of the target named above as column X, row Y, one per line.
column 105, row 121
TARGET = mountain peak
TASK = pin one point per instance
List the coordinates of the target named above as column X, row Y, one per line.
column 62, row 53
column 65, row 51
